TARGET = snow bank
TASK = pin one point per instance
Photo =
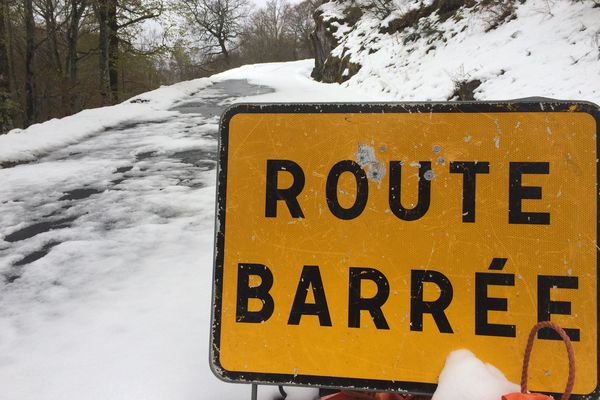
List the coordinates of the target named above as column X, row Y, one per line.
column 465, row 377
column 26, row 145
column 292, row 83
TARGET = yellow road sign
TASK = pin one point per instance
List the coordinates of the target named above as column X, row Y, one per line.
column 358, row 245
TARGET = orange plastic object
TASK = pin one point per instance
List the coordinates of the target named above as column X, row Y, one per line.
column 339, row 396
column 526, row 396
column 348, row 395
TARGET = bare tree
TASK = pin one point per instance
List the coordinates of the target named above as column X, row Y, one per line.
column 75, row 12
column 383, row 8
column 114, row 19
column 6, row 112
column 30, row 106
column 302, row 25
column 101, row 11
column 269, row 35
column 218, row 23
column 47, row 9
column 49, row 53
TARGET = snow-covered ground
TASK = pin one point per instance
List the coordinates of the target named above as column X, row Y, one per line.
column 106, row 217
column 106, row 243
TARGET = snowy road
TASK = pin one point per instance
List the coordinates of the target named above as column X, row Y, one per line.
column 106, row 261
column 106, row 242
column 121, row 177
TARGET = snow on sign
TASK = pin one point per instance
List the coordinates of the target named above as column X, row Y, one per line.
column 358, row 245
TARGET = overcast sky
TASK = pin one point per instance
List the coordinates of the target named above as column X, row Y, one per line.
column 261, row 3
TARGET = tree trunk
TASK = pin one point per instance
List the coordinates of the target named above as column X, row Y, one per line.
column 30, row 107
column 51, row 31
column 102, row 15
column 10, row 40
column 77, row 9
column 113, row 50
column 6, row 105
column 224, row 52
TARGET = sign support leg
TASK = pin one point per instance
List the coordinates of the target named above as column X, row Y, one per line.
column 254, row 395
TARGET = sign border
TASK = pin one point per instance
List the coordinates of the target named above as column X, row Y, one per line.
column 524, row 105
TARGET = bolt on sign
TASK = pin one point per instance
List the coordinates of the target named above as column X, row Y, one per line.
column 357, row 245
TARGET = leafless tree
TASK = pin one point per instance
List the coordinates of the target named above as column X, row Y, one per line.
column 218, row 24
column 268, row 35
column 74, row 15
column 30, row 97
column 6, row 112
column 49, row 11
column 383, row 8
column 115, row 18
column 302, row 26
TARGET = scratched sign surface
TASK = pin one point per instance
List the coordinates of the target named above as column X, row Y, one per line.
column 358, row 245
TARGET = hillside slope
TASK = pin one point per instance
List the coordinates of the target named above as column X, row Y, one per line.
column 461, row 49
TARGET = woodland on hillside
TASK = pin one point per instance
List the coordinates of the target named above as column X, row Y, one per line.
column 58, row 57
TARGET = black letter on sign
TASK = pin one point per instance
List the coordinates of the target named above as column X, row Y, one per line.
column 547, row 307
column 373, row 304
column 396, row 191
column 483, row 303
column 261, row 292
column 517, row 193
column 310, row 277
column 288, row 195
column 418, row 307
column 362, row 189
column 469, row 170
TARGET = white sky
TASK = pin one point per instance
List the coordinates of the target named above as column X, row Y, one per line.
column 261, row 3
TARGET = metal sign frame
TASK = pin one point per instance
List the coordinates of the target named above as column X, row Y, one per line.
column 435, row 107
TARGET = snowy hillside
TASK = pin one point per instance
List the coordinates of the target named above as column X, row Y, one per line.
column 449, row 50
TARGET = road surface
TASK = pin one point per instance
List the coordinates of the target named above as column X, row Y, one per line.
column 106, row 262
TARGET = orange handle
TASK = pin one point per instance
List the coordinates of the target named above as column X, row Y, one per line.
column 570, row 352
